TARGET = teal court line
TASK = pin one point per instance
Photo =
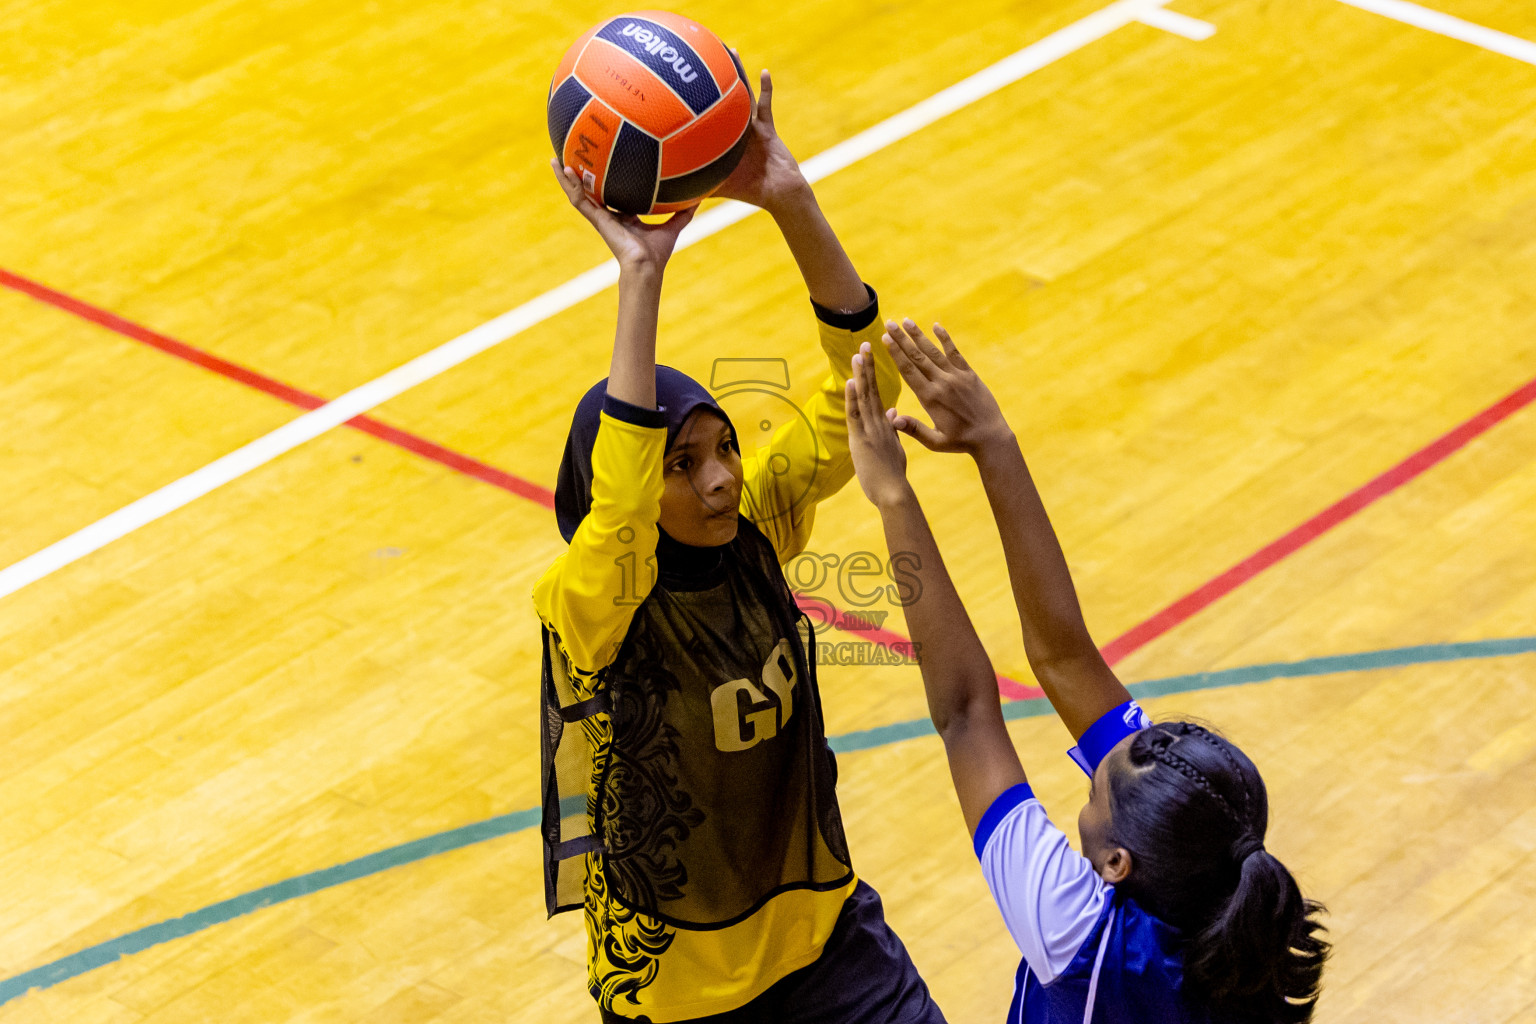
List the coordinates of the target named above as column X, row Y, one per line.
column 1392, row 657
column 104, row 953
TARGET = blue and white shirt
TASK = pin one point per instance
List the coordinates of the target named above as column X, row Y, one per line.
column 1090, row 954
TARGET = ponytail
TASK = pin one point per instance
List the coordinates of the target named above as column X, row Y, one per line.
column 1192, row 810
column 1263, row 948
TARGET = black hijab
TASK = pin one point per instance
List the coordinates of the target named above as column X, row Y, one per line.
column 677, row 397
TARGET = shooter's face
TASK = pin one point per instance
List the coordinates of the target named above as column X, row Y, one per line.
column 703, row 475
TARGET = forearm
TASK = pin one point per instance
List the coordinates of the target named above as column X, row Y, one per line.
column 829, row 274
column 632, row 374
column 1061, row 651
column 957, row 674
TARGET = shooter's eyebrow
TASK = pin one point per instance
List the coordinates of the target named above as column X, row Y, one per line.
column 682, row 446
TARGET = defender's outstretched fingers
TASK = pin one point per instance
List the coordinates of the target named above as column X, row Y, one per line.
column 869, row 388
column 931, row 351
column 903, row 364
column 860, row 384
column 950, row 348
column 917, row 430
column 914, row 353
column 916, row 370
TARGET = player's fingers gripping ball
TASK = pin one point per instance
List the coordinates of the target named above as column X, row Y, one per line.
column 651, row 110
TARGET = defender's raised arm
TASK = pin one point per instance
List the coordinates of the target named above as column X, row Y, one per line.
column 966, row 418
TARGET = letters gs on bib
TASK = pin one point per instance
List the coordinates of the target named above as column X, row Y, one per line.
column 651, row 109
column 745, row 713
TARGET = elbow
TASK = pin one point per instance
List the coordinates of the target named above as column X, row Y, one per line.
column 953, row 717
column 951, row 728
column 1054, row 667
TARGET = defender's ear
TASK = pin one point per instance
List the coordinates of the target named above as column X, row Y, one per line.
column 1117, row 866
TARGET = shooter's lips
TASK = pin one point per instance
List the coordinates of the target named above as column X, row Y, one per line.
column 724, row 516
column 729, row 512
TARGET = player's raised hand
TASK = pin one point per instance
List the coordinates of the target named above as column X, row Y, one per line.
column 767, row 175
column 633, row 242
column 878, row 458
column 965, row 415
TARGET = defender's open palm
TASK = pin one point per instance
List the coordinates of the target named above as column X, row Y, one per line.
column 878, row 458
column 965, row 415
column 633, row 242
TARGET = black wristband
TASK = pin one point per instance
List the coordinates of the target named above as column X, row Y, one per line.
column 637, row 415
column 855, row 321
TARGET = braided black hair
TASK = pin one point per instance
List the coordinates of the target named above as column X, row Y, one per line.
column 1192, row 810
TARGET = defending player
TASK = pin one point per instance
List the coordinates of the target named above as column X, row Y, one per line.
column 1174, row 911
column 688, row 787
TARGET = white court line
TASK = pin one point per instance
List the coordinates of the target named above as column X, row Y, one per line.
column 583, row 286
column 1445, row 25
column 1178, row 24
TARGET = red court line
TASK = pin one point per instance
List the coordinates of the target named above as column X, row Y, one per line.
column 885, row 638
column 276, row 388
column 1114, row 651
column 822, row 611
column 1414, row 465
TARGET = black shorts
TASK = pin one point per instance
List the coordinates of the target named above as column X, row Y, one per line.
column 863, row 976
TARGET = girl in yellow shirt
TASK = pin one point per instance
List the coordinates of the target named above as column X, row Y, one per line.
column 689, row 807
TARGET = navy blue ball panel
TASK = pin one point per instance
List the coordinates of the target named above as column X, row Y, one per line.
column 699, row 182
column 564, row 105
column 632, row 171
column 668, row 57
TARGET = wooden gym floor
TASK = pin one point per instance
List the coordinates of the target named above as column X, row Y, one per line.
column 269, row 751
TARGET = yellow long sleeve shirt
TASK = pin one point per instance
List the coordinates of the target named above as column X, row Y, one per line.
column 588, row 599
